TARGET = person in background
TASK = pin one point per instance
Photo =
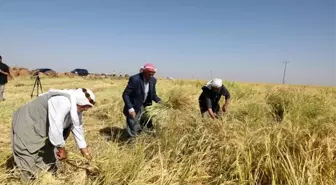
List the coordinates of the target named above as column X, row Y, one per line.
column 41, row 127
column 210, row 96
column 139, row 93
column 4, row 74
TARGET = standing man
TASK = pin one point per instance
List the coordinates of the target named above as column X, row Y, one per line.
column 139, row 93
column 209, row 99
column 4, row 73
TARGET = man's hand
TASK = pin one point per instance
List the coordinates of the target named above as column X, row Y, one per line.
column 132, row 114
column 211, row 113
column 225, row 108
column 61, row 154
column 86, row 154
column 226, row 105
column 3, row 72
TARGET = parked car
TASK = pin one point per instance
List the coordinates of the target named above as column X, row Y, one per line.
column 41, row 70
column 80, row 72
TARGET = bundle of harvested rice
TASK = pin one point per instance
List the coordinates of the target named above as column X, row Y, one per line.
column 158, row 112
column 78, row 161
column 179, row 98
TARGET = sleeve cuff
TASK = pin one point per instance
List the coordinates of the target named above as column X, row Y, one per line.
column 82, row 144
column 131, row 110
column 61, row 145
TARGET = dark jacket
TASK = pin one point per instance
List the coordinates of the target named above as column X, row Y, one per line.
column 134, row 93
column 3, row 77
column 210, row 99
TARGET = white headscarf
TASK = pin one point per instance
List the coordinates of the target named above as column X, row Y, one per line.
column 77, row 96
column 81, row 99
column 215, row 83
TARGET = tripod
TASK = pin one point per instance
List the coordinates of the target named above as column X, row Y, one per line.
column 38, row 84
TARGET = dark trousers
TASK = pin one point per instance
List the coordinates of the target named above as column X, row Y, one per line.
column 204, row 109
column 137, row 124
column 2, row 90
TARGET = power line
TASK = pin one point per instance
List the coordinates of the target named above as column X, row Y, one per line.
column 284, row 75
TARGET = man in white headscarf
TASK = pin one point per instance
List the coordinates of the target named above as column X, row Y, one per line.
column 211, row 94
column 40, row 128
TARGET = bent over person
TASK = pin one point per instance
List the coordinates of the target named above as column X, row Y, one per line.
column 211, row 94
column 40, row 128
column 139, row 93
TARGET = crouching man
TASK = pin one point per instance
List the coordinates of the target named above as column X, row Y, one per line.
column 211, row 94
column 40, row 128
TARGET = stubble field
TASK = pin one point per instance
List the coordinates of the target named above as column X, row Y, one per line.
column 272, row 134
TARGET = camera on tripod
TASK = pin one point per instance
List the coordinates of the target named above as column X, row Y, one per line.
column 37, row 83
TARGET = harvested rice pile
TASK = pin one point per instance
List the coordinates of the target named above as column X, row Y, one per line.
column 19, row 72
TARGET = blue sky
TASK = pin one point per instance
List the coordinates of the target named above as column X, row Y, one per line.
column 238, row 40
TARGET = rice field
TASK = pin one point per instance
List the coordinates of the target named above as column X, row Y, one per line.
column 272, row 134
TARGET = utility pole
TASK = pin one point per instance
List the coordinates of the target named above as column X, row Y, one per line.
column 211, row 74
column 284, row 75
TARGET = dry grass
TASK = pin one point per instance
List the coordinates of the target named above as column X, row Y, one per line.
column 272, row 134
